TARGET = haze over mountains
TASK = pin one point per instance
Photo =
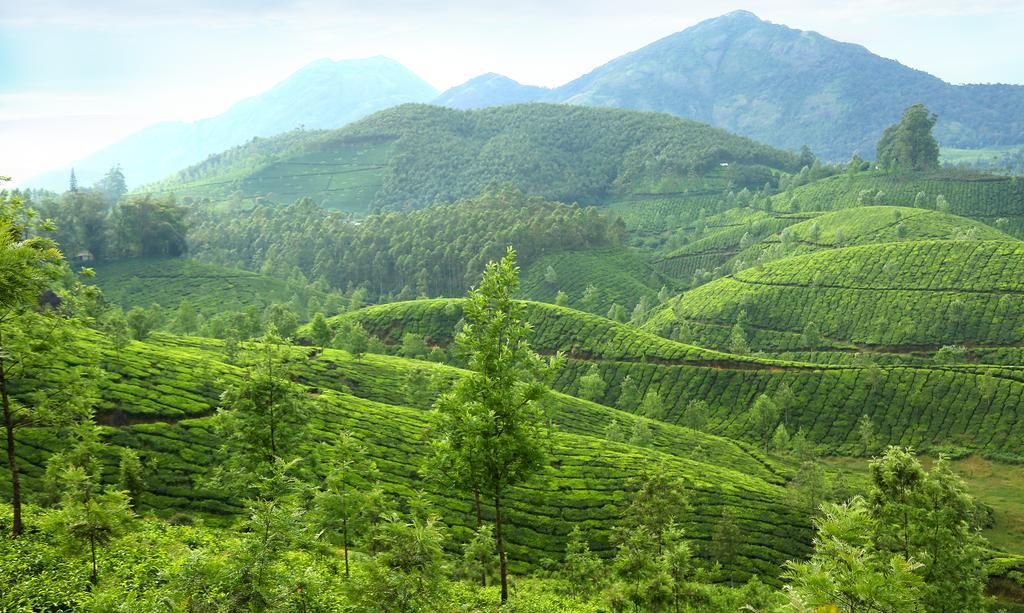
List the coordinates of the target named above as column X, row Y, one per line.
column 781, row 86
column 323, row 94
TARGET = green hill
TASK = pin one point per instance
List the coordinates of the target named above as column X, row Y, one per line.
column 718, row 240
column 973, row 407
column 762, row 237
column 893, row 296
column 159, row 396
column 621, row 277
column 211, row 289
column 416, row 155
column 995, row 200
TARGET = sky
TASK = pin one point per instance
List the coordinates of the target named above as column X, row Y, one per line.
column 76, row 76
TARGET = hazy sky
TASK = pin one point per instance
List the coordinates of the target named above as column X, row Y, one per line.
column 76, row 75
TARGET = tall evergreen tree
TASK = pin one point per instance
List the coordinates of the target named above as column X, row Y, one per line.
column 491, row 423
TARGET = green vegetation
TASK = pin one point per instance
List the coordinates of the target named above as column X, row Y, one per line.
column 209, row 289
column 437, row 251
column 616, row 277
column 925, row 406
column 992, row 199
column 914, row 294
column 415, row 155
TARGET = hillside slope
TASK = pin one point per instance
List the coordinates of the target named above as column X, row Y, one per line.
column 885, row 296
column 971, row 406
column 997, row 201
column 416, row 155
column 159, row 397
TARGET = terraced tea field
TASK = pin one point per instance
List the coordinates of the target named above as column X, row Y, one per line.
column 988, row 198
column 971, row 406
column 159, row 397
column 209, row 288
column 895, row 296
column 621, row 277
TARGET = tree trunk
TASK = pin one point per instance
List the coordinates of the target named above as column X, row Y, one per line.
column 501, row 545
column 344, row 543
column 480, row 522
column 92, row 547
column 12, row 461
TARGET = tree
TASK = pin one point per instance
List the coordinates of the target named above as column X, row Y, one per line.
column 640, row 311
column 592, row 386
column 591, row 299
column 491, row 423
column 406, row 573
column 145, row 226
column 629, row 395
column 651, row 407
column 738, row 340
column 640, row 435
column 561, row 299
column 141, row 322
column 617, row 313
column 550, row 276
column 926, row 518
column 479, row 558
column 354, row 339
column 866, row 434
column 90, row 514
column 810, row 485
column 725, row 540
column 283, row 319
column 785, row 400
column 780, row 439
column 658, row 501
column 186, row 320
column 262, row 419
column 413, row 345
column 319, row 331
column 73, row 182
column 695, row 415
column 846, row 573
column 112, row 185
column 582, row 569
column 613, row 432
column 909, row 145
column 342, row 505
column 29, row 265
column 115, row 326
column 764, row 416
column 131, row 476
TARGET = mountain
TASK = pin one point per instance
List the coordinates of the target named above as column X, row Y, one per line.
column 416, row 155
column 489, row 90
column 788, row 87
column 323, row 94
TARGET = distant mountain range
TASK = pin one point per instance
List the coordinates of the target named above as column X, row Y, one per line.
column 323, row 94
column 781, row 86
column 778, row 85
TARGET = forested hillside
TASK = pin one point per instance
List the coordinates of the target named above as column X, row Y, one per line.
column 414, row 156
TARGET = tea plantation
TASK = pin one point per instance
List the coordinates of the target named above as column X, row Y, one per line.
column 159, row 397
